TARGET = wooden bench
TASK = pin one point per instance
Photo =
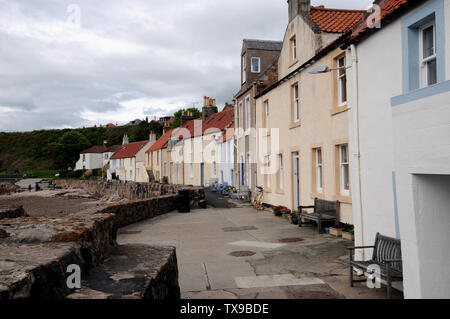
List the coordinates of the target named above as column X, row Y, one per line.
column 324, row 211
column 387, row 254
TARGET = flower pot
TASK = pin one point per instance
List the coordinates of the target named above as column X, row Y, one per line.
column 295, row 222
column 348, row 236
column 336, row 232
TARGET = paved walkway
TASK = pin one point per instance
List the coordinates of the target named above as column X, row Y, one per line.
column 280, row 266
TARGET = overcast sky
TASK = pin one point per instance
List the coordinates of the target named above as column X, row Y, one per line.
column 125, row 59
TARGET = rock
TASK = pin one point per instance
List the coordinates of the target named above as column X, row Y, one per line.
column 36, row 270
column 148, row 273
column 12, row 212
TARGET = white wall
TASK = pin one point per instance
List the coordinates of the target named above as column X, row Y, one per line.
column 92, row 161
column 422, row 156
column 376, row 87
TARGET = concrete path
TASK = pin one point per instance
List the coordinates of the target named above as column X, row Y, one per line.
column 304, row 265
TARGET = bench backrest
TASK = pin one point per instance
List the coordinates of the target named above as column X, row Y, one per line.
column 388, row 248
column 326, row 206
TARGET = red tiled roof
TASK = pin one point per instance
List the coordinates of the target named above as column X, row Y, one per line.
column 335, row 20
column 114, row 148
column 129, row 150
column 95, row 150
column 228, row 134
column 219, row 121
column 387, row 8
column 161, row 143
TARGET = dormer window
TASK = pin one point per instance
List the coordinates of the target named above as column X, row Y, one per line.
column 256, row 65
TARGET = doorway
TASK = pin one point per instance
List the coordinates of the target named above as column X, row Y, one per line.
column 296, row 178
column 202, row 174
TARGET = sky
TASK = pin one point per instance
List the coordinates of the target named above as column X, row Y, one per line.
column 80, row 63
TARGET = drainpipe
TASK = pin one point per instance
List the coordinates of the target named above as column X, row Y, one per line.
column 357, row 149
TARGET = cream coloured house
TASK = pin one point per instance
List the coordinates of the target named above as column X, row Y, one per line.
column 302, row 119
column 128, row 164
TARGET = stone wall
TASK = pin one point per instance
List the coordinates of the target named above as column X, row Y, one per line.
column 35, row 250
column 136, row 211
column 117, row 190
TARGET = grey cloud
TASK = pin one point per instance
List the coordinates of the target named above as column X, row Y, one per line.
column 126, row 50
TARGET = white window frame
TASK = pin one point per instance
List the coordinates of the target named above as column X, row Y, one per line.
column 244, row 68
column 259, row 65
column 424, row 62
column 191, row 170
column 319, row 170
column 214, row 169
column 241, row 114
column 344, row 165
column 268, row 171
column 296, row 101
column 248, row 118
column 281, row 173
column 267, row 114
column 342, row 78
column 294, row 48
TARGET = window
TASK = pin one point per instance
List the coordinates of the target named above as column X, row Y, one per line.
column 191, row 170
column 266, row 115
column 281, row 171
column 267, row 177
column 293, row 47
column 84, row 157
column 319, row 170
column 427, row 35
column 249, row 113
column 344, row 170
column 214, row 169
column 295, row 103
column 131, row 174
column 256, row 65
column 106, row 156
column 342, row 81
column 165, row 169
column 244, row 68
column 241, row 115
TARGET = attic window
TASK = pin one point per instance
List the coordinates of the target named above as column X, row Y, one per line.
column 256, row 65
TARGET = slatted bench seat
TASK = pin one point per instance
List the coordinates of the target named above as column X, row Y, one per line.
column 324, row 211
column 387, row 255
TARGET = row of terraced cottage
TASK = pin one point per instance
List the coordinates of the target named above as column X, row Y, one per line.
column 352, row 106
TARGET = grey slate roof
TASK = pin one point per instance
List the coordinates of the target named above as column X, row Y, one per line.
column 263, row 45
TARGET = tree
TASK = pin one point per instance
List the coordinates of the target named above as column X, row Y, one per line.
column 177, row 122
column 69, row 147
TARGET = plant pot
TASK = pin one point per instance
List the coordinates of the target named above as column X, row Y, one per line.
column 348, row 236
column 295, row 222
column 337, row 232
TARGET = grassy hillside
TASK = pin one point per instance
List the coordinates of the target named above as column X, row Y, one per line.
column 41, row 150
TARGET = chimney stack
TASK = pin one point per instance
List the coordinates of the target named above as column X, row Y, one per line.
column 152, row 137
column 125, row 139
column 209, row 108
column 298, row 6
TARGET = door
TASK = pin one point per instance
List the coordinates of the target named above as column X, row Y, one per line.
column 202, row 174
column 232, row 177
column 296, row 176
